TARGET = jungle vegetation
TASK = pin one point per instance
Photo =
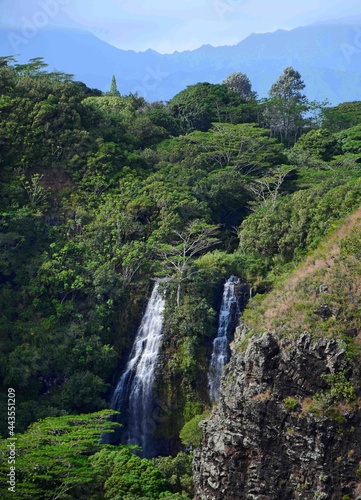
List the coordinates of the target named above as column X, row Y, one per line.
column 100, row 193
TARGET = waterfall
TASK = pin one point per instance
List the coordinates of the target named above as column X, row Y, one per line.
column 133, row 394
column 228, row 316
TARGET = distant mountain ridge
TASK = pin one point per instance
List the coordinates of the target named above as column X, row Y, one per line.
column 328, row 57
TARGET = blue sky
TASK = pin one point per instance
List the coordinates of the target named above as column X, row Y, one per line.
column 169, row 25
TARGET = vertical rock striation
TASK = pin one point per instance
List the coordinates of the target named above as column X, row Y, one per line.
column 256, row 446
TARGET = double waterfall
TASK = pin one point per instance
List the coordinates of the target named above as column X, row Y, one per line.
column 228, row 316
column 133, row 394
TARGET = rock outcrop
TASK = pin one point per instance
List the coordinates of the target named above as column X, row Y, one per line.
column 263, row 442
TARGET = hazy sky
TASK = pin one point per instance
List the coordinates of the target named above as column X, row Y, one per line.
column 169, row 25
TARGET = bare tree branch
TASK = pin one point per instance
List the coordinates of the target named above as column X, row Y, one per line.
column 189, row 243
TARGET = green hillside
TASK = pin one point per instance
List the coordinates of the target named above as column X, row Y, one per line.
column 100, row 194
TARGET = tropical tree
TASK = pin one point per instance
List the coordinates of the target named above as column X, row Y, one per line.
column 123, row 475
column 341, row 117
column 178, row 471
column 113, row 88
column 350, row 140
column 52, row 456
column 318, row 143
column 267, row 189
column 240, row 83
column 199, row 105
column 192, row 241
column 286, row 106
column 245, row 147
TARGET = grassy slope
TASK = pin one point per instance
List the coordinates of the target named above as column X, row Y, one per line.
column 322, row 296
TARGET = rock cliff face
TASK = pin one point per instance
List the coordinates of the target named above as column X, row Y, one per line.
column 263, row 442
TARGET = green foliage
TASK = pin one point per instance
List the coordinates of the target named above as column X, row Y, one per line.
column 163, row 118
column 191, row 409
column 52, row 456
column 101, row 193
column 245, row 147
column 197, row 237
column 343, row 116
column 121, row 474
column 63, row 456
column 81, row 392
column 351, row 245
column 191, row 432
column 240, row 83
column 107, row 106
column 288, row 86
column 297, row 221
column 319, row 143
column 341, row 388
column 36, row 193
column 216, row 262
column 145, row 132
column 199, row 105
column 350, row 140
column 178, row 472
column 113, row 88
column 341, row 391
column 291, row 403
column 286, row 107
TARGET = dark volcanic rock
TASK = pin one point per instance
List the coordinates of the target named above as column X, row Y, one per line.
column 257, row 447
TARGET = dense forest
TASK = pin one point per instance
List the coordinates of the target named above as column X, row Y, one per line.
column 103, row 193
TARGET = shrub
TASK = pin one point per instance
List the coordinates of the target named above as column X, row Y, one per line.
column 290, row 403
column 191, row 433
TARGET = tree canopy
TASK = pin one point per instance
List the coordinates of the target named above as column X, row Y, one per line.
column 100, row 194
column 287, row 105
column 241, row 84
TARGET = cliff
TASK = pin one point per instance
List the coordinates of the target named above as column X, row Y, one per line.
column 264, row 442
column 287, row 425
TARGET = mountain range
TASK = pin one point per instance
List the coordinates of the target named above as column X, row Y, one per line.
column 328, row 56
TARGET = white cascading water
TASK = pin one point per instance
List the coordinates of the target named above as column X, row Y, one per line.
column 134, row 388
column 227, row 316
